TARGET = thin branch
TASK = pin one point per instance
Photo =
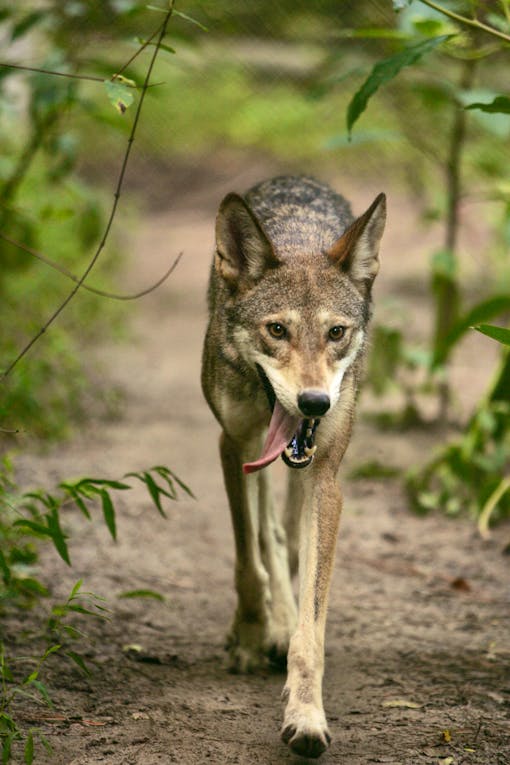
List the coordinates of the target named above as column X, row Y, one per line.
column 91, row 78
column 465, row 20
column 49, row 71
column 137, row 53
column 120, row 181
column 101, row 293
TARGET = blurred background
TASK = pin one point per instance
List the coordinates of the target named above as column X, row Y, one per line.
column 241, row 91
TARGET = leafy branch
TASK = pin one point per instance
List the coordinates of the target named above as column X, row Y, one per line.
column 159, row 34
column 466, row 20
column 43, row 508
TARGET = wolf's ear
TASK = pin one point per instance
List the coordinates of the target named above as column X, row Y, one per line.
column 357, row 250
column 243, row 250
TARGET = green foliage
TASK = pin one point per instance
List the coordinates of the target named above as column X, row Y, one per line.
column 500, row 334
column 500, row 105
column 472, row 472
column 27, row 686
column 44, row 206
column 25, row 520
column 486, row 309
column 466, row 474
column 119, row 91
column 41, row 511
column 59, row 635
column 384, row 71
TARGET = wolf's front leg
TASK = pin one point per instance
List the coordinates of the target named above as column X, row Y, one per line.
column 248, row 638
column 305, row 728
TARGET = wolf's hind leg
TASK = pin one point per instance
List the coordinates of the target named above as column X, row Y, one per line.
column 273, row 544
column 248, row 639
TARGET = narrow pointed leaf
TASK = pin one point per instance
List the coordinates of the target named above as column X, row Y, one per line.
column 29, row 749
column 175, row 12
column 501, row 334
column 79, row 502
column 76, row 589
column 164, row 472
column 500, row 105
column 386, row 70
column 481, row 312
column 142, row 594
column 79, row 661
column 57, row 535
column 44, row 693
column 109, row 513
column 93, row 482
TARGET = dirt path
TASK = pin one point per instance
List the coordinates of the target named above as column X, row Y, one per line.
column 399, row 627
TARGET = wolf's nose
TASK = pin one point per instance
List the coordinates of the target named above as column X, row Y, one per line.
column 313, row 403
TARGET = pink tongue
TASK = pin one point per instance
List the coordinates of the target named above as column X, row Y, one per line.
column 281, row 429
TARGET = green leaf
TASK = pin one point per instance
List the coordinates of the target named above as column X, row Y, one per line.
column 57, row 535
column 50, row 650
column 161, row 46
column 155, row 491
column 175, row 12
column 37, row 528
column 142, row 594
column 109, row 513
column 386, row 70
column 29, row 749
column 76, row 589
column 168, row 474
column 501, row 334
column 479, row 313
column 44, row 692
column 74, row 494
column 500, row 105
column 120, row 95
column 73, row 633
column 103, row 482
column 26, row 23
column 86, row 611
column 45, row 743
column 5, row 568
column 79, row 661
column 6, row 746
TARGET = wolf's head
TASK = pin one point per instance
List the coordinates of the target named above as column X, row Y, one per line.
column 297, row 302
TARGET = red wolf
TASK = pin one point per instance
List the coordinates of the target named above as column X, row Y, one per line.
column 289, row 301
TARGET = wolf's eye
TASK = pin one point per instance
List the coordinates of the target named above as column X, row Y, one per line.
column 277, row 330
column 336, row 333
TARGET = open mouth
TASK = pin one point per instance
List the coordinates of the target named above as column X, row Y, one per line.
column 299, row 452
column 289, row 436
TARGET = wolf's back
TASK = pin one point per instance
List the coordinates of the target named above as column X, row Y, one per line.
column 299, row 212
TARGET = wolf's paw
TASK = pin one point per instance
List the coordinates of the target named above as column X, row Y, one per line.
column 246, row 647
column 245, row 660
column 306, row 733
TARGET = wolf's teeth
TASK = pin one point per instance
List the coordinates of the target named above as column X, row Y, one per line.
column 288, row 451
column 310, row 450
column 309, row 433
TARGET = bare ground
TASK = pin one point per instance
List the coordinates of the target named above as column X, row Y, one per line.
column 419, row 610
